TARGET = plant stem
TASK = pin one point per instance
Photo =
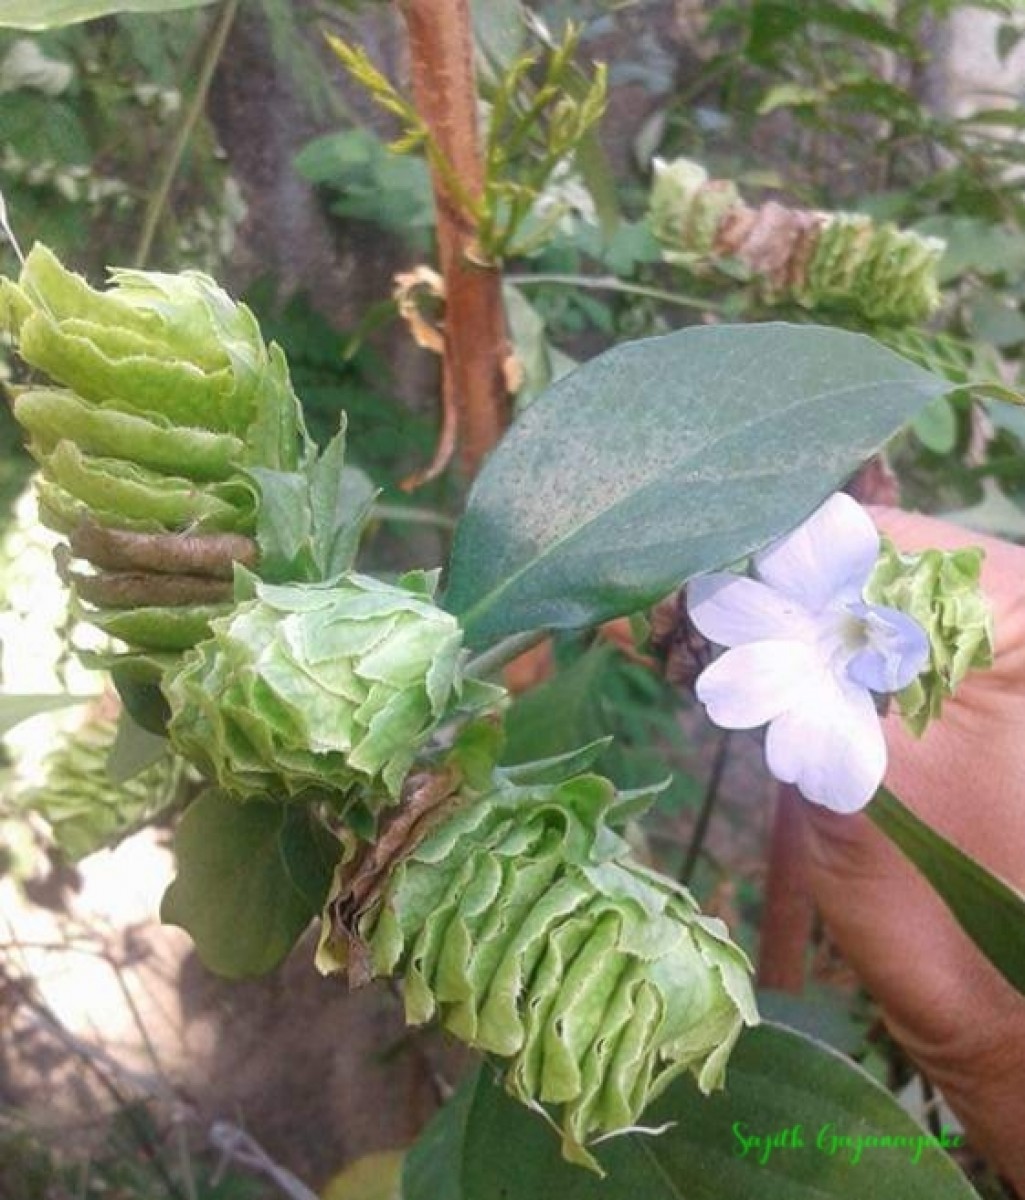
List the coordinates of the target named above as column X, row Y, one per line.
column 610, row 283
column 788, row 914
column 697, row 840
column 412, row 515
column 445, row 92
column 161, row 194
column 490, row 661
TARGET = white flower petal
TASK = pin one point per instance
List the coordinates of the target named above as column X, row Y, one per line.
column 830, row 556
column 830, row 745
column 754, row 683
column 731, row 610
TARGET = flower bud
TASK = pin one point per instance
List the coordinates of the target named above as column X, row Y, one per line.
column 941, row 589
column 326, row 686
column 523, row 922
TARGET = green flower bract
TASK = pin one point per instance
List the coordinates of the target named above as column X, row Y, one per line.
column 524, row 922
column 317, row 685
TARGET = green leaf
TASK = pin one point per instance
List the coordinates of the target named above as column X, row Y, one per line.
column 341, row 498
column 251, row 876
column 561, row 714
column 53, row 14
column 989, row 910
column 936, row 426
column 284, row 526
column 15, row 709
column 665, row 458
column 483, row 1145
column 134, row 750
column 373, row 1177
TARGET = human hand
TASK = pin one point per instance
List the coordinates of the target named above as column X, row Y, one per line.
column 952, row 1011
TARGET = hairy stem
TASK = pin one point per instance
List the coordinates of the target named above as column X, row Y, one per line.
column 445, row 92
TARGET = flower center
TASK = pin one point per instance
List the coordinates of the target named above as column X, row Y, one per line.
column 878, row 648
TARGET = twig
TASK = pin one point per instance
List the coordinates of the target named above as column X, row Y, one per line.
column 697, row 841
column 609, row 283
column 158, row 200
column 489, row 662
column 236, row 1146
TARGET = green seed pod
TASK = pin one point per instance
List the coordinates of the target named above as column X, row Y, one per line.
column 84, row 807
column 524, row 923
column 311, row 685
column 942, row 591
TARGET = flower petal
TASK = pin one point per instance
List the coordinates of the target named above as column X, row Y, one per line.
column 830, row 556
column 830, row 745
column 754, row 683
column 895, row 653
column 731, row 610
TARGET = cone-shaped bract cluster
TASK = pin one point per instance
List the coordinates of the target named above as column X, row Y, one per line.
column 317, row 685
column 524, row 923
column 815, row 259
column 86, row 809
column 168, row 393
column 942, row 591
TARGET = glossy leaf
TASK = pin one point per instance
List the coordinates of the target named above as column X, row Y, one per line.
column 251, row 876
column 665, row 458
column 483, row 1145
column 989, row 910
column 54, row 14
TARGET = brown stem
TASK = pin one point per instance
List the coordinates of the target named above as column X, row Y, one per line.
column 445, row 93
column 788, row 914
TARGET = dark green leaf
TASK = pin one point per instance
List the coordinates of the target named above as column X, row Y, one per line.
column 251, row 876
column 143, row 700
column 484, row 1145
column 562, row 714
column 665, row 458
column 134, row 749
column 15, row 709
column 989, row 910
column 52, row 14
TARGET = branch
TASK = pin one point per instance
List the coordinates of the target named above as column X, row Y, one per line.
column 445, row 92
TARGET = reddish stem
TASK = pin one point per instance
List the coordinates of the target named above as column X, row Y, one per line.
column 445, row 93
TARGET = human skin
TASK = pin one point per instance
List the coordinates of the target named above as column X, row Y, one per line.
column 956, row 1016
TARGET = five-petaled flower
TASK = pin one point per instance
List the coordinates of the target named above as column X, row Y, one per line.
column 806, row 653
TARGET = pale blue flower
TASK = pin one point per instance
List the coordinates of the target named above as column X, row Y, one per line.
column 806, row 653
